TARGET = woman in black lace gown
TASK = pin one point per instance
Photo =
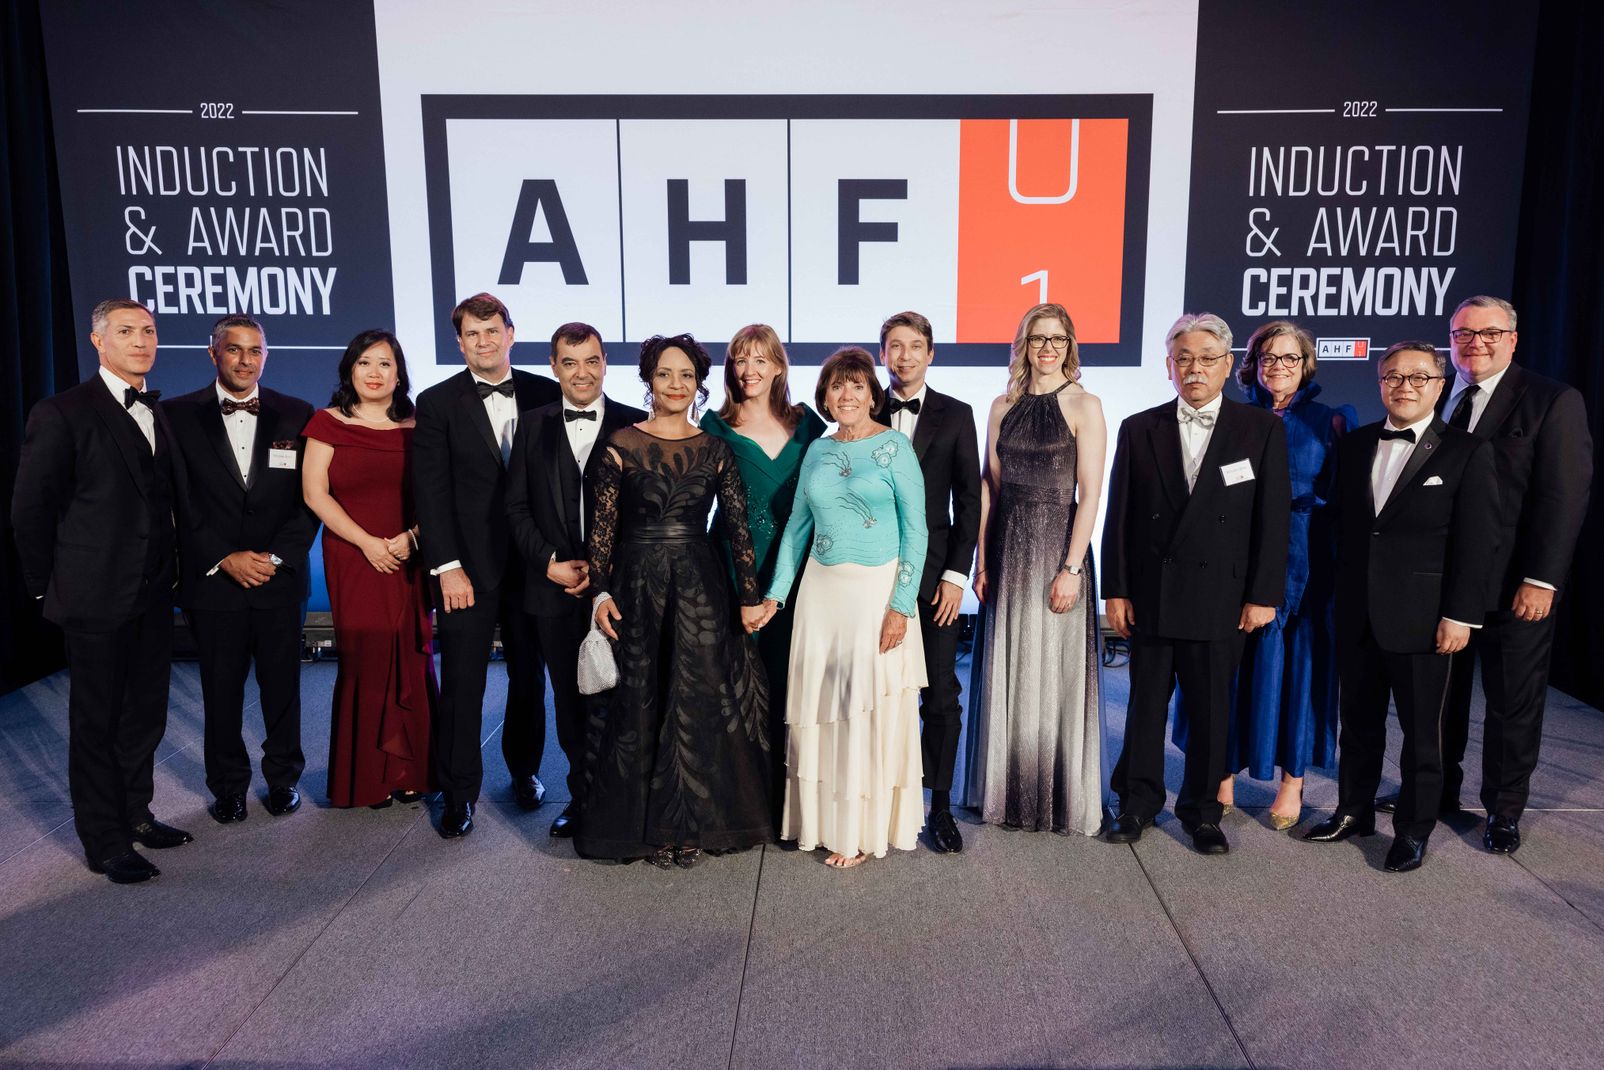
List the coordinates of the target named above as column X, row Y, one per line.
column 677, row 757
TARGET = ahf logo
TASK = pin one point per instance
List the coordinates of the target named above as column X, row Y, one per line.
column 1342, row 348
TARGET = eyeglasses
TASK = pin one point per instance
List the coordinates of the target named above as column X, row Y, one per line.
column 1036, row 341
column 1490, row 335
column 1202, row 360
column 1417, row 380
column 1270, row 360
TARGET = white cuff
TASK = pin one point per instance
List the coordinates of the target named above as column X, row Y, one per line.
column 957, row 579
column 1539, row 583
column 1462, row 624
column 214, row 569
column 447, row 567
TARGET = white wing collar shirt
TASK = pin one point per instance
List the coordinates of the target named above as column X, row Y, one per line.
column 1197, row 427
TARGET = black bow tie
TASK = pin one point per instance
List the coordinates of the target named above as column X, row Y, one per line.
column 571, row 415
column 505, row 388
column 1407, row 434
column 133, row 394
column 253, row 406
column 897, row 405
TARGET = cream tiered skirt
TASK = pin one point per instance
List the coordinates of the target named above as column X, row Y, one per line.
column 853, row 765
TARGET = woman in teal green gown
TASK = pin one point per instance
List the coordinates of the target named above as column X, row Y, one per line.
column 769, row 436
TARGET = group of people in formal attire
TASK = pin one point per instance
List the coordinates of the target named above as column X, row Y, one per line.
column 789, row 671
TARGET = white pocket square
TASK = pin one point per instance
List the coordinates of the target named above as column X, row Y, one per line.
column 1434, row 481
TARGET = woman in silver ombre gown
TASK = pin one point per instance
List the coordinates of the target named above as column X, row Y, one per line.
column 1037, row 738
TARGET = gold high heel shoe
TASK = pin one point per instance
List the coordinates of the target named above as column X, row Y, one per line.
column 1282, row 822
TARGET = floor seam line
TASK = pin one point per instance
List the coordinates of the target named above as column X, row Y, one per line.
column 1557, row 893
column 1196, row 964
column 296, row 961
column 746, row 958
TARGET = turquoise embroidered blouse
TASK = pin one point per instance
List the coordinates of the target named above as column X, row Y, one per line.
column 862, row 502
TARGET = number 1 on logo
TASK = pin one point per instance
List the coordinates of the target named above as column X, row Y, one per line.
column 1032, row 277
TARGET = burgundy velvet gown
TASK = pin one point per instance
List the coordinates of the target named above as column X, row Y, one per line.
column 385, row 692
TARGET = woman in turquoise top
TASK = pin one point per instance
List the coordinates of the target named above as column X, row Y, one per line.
column 853, row 767
column 769, row 437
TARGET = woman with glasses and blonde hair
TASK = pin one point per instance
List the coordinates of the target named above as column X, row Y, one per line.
column 1037, row 734
column 769, row 437
column 1284, row 709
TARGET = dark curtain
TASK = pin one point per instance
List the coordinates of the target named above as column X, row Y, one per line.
column 36, row 330
column 1559, row 290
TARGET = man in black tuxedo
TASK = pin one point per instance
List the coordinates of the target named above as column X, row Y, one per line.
column 1194, row 558
column 1417, row 511
column 1544, row 458
column 244, row 573
column 98, row 487
column 942, row 429
column 548, row 502
column 460, row 451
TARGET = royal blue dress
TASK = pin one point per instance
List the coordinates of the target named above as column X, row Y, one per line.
column 1284, row 702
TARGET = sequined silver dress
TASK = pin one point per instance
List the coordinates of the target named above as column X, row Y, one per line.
column 1037, row 736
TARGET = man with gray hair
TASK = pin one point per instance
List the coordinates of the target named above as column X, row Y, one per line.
column 244, row 564
column 1544, row 458
column 98, row 486
column 1194, row 558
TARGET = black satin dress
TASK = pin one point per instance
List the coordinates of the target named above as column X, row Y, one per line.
column 678, row 753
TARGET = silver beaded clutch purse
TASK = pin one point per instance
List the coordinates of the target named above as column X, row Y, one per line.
column 598, row 669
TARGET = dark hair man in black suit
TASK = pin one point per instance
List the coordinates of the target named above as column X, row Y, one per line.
column 244, row 575
column 460, row 451
column 98, row 486
column 1544, row 458
column 1194, row 558
column 548, row 502
column 1417, row 511
column 942, row 429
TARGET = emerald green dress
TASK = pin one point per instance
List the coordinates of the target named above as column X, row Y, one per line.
column 770, row 492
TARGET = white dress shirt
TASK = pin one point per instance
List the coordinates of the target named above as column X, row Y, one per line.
column 1195, row 437
column 582, row 436
column 905, row 420
column 1478, row 401
column 142, row 413
column 241, row 428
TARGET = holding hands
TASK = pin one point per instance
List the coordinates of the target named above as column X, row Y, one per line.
column 754, row 617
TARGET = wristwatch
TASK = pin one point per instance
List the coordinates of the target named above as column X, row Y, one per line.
column 1073, row 570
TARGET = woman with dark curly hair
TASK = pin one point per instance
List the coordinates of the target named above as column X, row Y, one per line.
column 677, row 760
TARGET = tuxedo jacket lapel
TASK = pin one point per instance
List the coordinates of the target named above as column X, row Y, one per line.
column 1221, row 445
column 474, row 412
column 211, row 421
column 1501, row 404
column 1165, row 441
column 924, row 431
column 1423, row 452
column 125, row 432
column 266, row 421
column 554, row 448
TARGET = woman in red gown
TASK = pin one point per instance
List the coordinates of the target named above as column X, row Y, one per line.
column 357, row 477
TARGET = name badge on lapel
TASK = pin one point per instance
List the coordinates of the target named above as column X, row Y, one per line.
column 279, row 457
column 1236, row 472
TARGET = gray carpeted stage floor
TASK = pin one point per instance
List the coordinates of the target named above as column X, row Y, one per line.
column 360, row 938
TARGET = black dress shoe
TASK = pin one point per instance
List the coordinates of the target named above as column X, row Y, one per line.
column 1502, row 835
column 563, row 827
column 130, row 868
column 405, row 798
column 1340, row 826
column 1405, row 854
column 1207, row 839
column 228, row 808
column 281, row 801
column 529, row 792
column 944, row 835
column 157, row 836
column 1127, row 828
column 457, row 820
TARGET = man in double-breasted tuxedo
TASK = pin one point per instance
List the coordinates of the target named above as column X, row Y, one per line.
column 244, row 564
column 554, row 456
column 1194, row 558
column 942, row 429
column 1544, row 458
column 99, row 485
column 1417, row 511
column 460, row 450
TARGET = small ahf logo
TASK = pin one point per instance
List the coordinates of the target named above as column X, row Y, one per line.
column 1343, row 348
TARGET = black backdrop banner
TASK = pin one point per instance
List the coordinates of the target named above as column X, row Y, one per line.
column 241, row 170
column 1357, row 168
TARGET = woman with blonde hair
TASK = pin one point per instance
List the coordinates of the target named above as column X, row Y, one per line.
column 769, row 437
column 1037, row 736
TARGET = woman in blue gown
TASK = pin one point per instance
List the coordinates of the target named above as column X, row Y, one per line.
column 1284, row 711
